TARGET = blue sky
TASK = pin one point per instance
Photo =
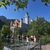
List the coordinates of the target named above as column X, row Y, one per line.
column 34, row 9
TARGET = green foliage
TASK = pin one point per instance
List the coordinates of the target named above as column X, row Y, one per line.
column 5, row 29
column 20, row 3
column 46, row 2
column 5, row 32
column 1, row 44
column 39, row 27
column 17, row 31
column 45, row 40
column 1, row 24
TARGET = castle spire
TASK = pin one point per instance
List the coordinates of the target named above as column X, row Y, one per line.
column 26, row 18
column 21, row 22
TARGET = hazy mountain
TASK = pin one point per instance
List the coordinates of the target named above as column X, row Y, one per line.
column 4, row 20
column 9, row 20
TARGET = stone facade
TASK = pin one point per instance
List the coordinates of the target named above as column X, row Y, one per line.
column 20, row 24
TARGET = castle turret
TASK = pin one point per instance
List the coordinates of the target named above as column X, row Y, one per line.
column 26, row 18
column 31, row 21
column 21, row 22
column 11, row 23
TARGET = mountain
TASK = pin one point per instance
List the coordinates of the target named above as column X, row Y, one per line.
column 9, row 20
column 3, row 20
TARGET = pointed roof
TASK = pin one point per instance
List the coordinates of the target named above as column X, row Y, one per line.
column 26, row 14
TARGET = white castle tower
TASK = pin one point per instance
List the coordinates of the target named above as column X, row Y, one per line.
column 21, row 22
column 26, row 18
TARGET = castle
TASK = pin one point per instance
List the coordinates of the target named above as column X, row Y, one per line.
column 20, row 24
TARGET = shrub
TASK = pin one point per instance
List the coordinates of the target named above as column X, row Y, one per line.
column 45, row 40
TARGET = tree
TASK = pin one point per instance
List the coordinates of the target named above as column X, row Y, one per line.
column 46, row 28
column 5, row 32
column 5, row 29
column 19, row 3
column 40, row 21
column 39, row 27
column 17, row 31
